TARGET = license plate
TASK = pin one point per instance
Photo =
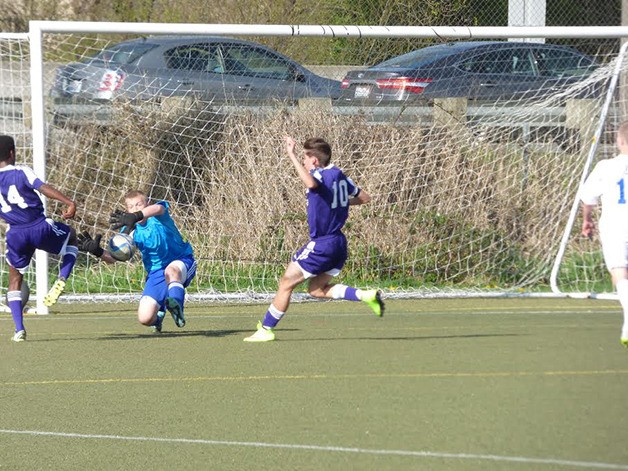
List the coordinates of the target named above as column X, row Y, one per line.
column 73, row 86
column 362, row 92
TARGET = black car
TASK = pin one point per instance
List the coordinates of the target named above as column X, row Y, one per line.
column 218, row 69
column 479, row 70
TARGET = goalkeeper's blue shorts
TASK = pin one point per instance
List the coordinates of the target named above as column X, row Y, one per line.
column 156, row 286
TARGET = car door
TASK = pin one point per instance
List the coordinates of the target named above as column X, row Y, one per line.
column 197, row 69
column 562, row 67
column 504, row 73
column 258, row 74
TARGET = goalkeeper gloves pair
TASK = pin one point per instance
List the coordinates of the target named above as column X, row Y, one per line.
column 118, row 219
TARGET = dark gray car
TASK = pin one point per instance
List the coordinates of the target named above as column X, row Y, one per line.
column 216, row 69
column 481, row 70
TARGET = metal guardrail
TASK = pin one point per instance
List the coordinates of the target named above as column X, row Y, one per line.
column 485, row 114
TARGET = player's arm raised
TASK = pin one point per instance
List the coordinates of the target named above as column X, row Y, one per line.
column 153, row 210
column 308, row 180
column 121, row 219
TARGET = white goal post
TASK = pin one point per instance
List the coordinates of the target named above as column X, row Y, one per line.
column 470, row 201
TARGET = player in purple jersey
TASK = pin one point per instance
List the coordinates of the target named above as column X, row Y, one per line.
column 28, row 229
column 329, row 194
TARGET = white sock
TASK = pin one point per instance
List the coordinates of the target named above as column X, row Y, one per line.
column 622, row 292
column 338, row 291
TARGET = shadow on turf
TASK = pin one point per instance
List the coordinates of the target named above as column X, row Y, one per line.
column 172, row 334
column 150, row 335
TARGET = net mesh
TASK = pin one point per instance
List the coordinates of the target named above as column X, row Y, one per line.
column 468, row 197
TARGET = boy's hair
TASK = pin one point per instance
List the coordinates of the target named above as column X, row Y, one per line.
column 318, row 148
column 135, row 194
column 7, row 144
column 623, row 131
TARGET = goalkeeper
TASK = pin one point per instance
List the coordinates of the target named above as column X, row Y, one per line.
column 329, row 195
column 167, row 257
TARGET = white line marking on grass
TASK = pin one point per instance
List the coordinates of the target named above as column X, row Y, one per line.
column 335, row 449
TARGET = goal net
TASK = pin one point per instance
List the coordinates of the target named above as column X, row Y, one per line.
column 14, row 109
column 469, row 197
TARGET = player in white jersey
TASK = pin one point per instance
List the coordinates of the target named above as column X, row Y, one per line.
column 608, row 184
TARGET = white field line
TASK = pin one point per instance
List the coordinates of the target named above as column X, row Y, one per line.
column 331, row 449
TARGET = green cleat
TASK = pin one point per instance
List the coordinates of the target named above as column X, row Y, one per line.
column 373, row 298
column 19, row 336
column 156, row 327
column 624, row 342
column 53, row 295
column 176, row 311
column 261, row 334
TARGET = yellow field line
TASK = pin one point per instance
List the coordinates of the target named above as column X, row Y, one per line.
column 486, row 374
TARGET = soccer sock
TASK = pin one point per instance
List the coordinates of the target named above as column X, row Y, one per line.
column 15, row 304
column 622, row 292
column 177, row 291
column 272, row 317
column 159, row 319
column 67, row 264
column 345, row 292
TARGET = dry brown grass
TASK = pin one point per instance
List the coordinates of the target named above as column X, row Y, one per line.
column 444, row 202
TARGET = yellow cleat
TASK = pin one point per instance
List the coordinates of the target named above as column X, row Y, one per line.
column 373, row 298
column 624, row 342
column 53, row 295
column 261, row 335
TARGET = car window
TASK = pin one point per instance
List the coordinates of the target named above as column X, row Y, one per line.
column 197, row 57
column 503, row 62
column 417, row 58
column 560, row 62
column 255, row 62
column 123, row 53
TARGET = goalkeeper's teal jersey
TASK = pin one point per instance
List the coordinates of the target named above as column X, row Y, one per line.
column 160, row 242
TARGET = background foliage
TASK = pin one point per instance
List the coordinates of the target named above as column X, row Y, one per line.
column 335, row 12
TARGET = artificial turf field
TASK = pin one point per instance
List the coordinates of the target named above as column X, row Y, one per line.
column 481, row 384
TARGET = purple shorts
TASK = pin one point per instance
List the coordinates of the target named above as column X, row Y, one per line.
column 324, row 255
column 45, row 234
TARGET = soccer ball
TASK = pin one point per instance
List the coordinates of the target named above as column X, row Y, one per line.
column 121, row 247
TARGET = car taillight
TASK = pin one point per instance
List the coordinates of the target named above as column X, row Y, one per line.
column 110, row 81
column 412, row 85
column 345, row 83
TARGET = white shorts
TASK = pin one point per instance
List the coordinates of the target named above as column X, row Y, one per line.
column 615, row 250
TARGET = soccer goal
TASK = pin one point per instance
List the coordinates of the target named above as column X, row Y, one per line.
column 470, row 198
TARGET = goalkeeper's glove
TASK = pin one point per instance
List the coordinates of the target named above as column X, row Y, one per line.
column 119, row 219
column 87, row 244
